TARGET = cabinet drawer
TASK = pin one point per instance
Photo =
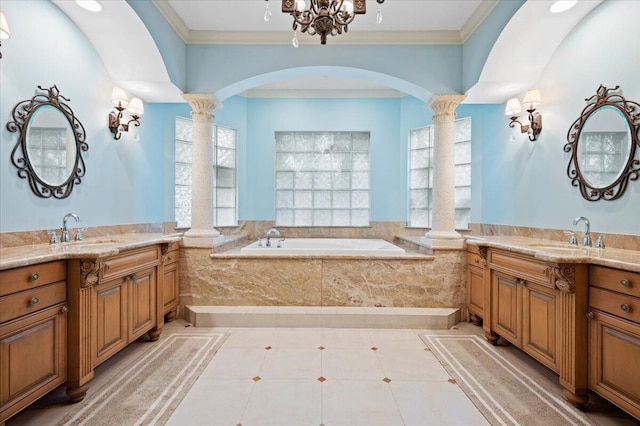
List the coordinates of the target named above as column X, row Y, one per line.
column 614, row 303
column 615, row 279
column 521, row 266
column 28, row 277
column 130, row 261
column 28, row 301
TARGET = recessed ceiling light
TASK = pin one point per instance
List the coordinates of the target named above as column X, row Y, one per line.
column 562, row 5
column 90, row 5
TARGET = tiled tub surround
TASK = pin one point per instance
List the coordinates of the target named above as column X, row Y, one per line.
column 231, row 279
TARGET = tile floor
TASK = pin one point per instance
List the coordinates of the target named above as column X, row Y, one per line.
column 317, row 376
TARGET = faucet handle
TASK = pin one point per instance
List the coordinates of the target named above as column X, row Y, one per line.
column 79, row 231
column 572, row 237
column 259, row 242
column 54, row 237
column 599, row 241
column 280, row 243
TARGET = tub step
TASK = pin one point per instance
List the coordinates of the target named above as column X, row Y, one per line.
column 315, row 317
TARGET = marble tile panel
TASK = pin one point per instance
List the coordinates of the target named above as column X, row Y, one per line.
column 247, row 281
column 400, row 283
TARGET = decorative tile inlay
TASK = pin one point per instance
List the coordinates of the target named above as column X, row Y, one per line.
column 321, row 379
column 427, row 349
column 452, row 381
column 257, row 379
column 386, row 380
column 268, row 348
column 374, row 349
column 321, row 348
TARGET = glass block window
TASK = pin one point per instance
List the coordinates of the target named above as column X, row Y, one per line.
column 224, row 174
column 421, row 149
column 322, row 178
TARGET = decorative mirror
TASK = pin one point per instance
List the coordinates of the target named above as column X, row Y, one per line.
column 50, row 143
column 603, row 143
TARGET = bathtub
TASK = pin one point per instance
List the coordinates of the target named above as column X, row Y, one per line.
column 324, row 247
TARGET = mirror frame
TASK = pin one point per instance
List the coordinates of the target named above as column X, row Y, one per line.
column 631, row 170
column 22, row 114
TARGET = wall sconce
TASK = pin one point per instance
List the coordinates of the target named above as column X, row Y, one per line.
column 531, row 100
column 120, row 102
column 4, row 29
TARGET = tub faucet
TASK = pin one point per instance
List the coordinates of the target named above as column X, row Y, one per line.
column 586, row 238
column 271, row 231
column 65, row 232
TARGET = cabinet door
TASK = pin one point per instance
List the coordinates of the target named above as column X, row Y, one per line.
column 475, row 290
column 109, row 318
column 539, row 324
column 33, row 358
column 614, row 351
column 170, row 287
column 142, row 302
column 506, row 307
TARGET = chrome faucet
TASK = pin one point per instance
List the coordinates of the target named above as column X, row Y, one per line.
column 65, row 232
column 271, row 231
column 586, row 238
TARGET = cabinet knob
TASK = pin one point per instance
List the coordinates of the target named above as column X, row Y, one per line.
column 625, row 307
column 64, row 309
column 590, row 315
column 624, row 282
column 476, row 260
column 34, row 301
column 34, row 276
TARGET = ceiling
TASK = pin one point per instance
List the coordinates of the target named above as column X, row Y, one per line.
column 142, row 71
column 403, row 22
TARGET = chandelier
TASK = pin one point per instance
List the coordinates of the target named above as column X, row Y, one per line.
column 323, row 17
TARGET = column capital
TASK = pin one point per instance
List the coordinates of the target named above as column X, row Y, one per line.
column 202, row 105
column 444, row 106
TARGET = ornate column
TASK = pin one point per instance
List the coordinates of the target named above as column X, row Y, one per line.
column 202, row 230
column 443, row 233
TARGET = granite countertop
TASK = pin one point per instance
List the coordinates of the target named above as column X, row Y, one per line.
column 559, row 252
column 95, row 248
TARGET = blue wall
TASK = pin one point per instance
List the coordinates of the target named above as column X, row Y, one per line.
column 121, row 185
column 526, row 183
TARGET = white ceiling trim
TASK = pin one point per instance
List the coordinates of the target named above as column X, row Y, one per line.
column 173, row 19
column 478, row 16
column 353, row 38
column 322, row 93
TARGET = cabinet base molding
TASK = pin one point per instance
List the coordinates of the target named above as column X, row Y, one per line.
column 492, row 337
column 475, row 319
column 578, row 399
column 77, row 394
column 154, row 334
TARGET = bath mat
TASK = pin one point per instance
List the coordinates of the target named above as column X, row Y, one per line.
column 149, row 389
column 503, row 393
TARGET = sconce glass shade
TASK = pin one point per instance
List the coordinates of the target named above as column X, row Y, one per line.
column 562, row 5
column 119, row 97
column 136, row 107
column 532, row 98
column 301, row 5
column 4, row 27
column 513, row 107
column 90, row 5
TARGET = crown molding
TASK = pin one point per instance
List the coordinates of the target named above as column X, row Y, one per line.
column 351, row 38
column 322, row 93
column 478, row 16
column 173, row 19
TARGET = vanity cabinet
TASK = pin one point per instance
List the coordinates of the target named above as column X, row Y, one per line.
column 614, row 336
column 171, row 280
column 33, row 326
column 476, row 261
column 540, row 308
column 113, row 301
